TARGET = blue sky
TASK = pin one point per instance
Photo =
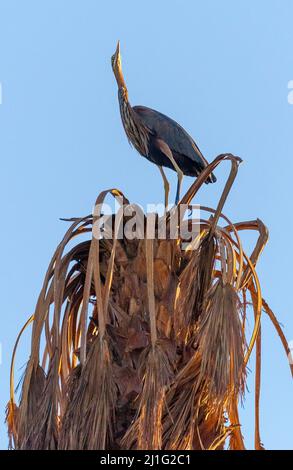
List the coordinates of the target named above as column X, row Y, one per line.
column 221, row 69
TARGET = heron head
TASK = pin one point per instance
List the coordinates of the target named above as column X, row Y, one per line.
column 117, row 66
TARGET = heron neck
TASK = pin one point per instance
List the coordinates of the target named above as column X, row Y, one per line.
column 123, row 94
column 125, row 106
column 136, row 131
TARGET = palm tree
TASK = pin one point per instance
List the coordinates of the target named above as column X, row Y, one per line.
column 141, row 344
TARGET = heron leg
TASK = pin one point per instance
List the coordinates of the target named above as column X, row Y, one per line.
column 179, row 181
column 163, row 147
column 179, row 177
column 166, row 186
column 169, row 154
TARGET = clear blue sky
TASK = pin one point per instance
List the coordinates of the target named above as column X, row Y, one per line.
column 221, row 69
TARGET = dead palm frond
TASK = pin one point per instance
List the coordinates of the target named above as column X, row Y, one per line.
column 141, row 344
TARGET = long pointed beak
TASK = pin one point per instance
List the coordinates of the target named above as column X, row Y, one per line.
column 117, row 67
column 117, row 53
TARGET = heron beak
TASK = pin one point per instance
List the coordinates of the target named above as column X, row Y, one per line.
column 117, row 53
column 118, row 70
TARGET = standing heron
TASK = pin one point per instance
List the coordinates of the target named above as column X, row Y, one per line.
column 157, row 137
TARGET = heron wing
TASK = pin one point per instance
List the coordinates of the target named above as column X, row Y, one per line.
column 172, row 133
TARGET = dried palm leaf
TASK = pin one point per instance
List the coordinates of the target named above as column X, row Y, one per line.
column 142, row 343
